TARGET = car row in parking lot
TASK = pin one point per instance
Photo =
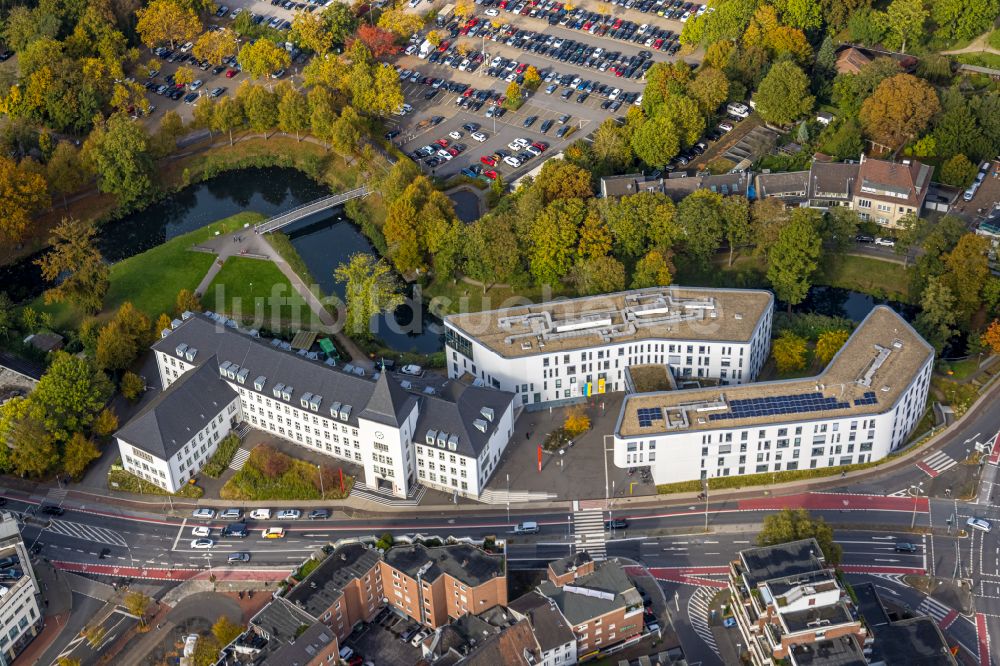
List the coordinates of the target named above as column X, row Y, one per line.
column 205, row 513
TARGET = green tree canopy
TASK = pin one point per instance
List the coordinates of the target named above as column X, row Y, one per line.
column 793, row 259
column 794, row 524
column 118, row 153
column 700, row 216
column 784, row 95
column 370, row 289
column 75, row 260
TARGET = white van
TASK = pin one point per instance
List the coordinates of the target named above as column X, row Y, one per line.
column 527, row 527
column 979, row 524
column 737, row 110
column 971, row 192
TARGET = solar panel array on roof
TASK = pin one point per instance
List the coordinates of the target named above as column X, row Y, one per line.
column 649, row 414
column 868, row 398
column 779, row 404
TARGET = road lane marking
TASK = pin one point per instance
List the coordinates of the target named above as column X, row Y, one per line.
column 180, row 531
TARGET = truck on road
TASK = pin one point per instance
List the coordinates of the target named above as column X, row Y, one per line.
column 445, row 14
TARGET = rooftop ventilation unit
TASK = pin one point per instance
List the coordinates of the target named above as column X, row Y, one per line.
column 335, row 410
column 453, row 442
column 431, row 437
column 224, row 368
column 190, row 353
column 258, row 383
column 897, row 343
column 304, row 400
column 487, row 413
column 345, row 412
column 286, row 393
column 885, row 389
column 278, row 388
column 314, row 403
column 738, row 316
column 241, row 376
column 526, row 345
column 480, row 424
column 181, row 348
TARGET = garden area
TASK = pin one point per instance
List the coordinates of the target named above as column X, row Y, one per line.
column 125, row 482
column 577, row 422
column 256, row 290
column 271, row 475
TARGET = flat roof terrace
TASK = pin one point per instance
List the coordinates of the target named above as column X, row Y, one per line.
column 658, row 313
column 867, row 376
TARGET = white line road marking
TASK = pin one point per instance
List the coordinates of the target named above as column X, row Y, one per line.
column 180, row 531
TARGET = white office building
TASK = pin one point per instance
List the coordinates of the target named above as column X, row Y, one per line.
column 863, row 406
column 215, row 376
column 20, row 615
column 563, row 350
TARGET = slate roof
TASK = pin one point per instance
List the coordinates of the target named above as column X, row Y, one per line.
column 916, row 642
column 783, row 185
column 468, row 564
column 569, row 563
column 677, row 186
column 173, row 417
column 910, row 180
column 550, row 627
column 840, row 651
column 578, row 607
column 389, row 404
column 832, row 180
column 23, row 367
column 279, row 621
column 304, row 648
column 509, row 648
column 458, row 417
column 325, row 584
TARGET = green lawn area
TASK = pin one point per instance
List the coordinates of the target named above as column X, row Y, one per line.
column 959, row 370
column 151, row 280
column 867, row 275
column 981, row 59
column 243, row 281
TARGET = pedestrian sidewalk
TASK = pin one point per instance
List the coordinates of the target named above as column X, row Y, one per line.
column 57, row 604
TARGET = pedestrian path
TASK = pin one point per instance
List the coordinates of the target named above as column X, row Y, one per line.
column 239, row 459
column 588, row 533
column 698, row 607
column 361, row 491
column 501, row 496
column 55, row 495
column 87, row 533
column 936, row 463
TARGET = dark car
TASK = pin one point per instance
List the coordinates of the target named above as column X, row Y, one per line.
column 319, row 514
column 905, row 547
column 391, row 134
column 861, row 238
column 11, row 574
column 52, row 510
column 236, row 530
column 615, row 524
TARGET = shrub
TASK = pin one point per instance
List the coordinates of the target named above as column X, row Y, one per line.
column 271, row 475
column 223, row 455
column 577, row 422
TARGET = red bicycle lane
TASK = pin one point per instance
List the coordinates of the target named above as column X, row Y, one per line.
column 835, row 501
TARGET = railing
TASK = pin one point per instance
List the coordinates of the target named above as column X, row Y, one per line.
column 288, row 217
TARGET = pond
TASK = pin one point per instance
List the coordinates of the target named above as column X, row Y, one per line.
column 853, row 305
column 466, row 205
column 324, row 241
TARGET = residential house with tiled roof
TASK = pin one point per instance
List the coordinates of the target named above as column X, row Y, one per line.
column 884, row 192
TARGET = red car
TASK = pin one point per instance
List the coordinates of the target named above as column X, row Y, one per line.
column 491, row 174
column 231, row 73
column 442, row 142
column 541, row 145
column 488, row 161
column 520, row 68
column 453, row 151
column 443, row 46
column 468, row 92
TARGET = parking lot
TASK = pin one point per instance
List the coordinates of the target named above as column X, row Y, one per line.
column 586, row 77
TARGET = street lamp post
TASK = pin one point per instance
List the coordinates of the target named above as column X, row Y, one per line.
column 705, row 484
column 322, row 492
column 508, row 497
column 916, row 495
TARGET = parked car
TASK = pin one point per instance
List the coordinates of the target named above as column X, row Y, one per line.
column 289, row 514
column 238, row 557
column 319, row 514
column 885, row 242
column 203, row 513
column 52, row 510
column 231, row 514
column 261, row 514
column 414, row 370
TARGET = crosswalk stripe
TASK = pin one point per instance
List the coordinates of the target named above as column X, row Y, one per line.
column 87, row 533
column 588, row 532
column 934, row 608
column 699, row 603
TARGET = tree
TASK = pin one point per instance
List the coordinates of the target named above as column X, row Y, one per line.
column 64, row 171
column 554, row 235
column 137, row 604
column 381, row 42
column 260, row 106
column 844, row 141
column 598, row 275
column 789, row 352
column 577, row 422
column 225, row 630
column 838, row 226
column 187, row 302
column 514, row 98
column 783, row 95
column 829, row 343
column 964, row 19
column 341, row 20
column 263, row 58
column 115, row 349
column 132, row 386
column 991, row 337
column 611, row 146
column 166, row 21
column 400, row 22
column 794, row 524
column 310, row 32
column 653, row 270
column 105, row 423
column 22, row 193
column 79, row 453
column 33, row 447
column 293, row 112
column 966, row 271
column 656, row 141
column 492, row 251
column 793, row 259
column 560, row 179
column 227, row 116
column 75, row 260
column 710, row 88
column 904, row 21
column 24, row 25
column 898, row 110
column 700, row 217
column 346, row 133
column 7, row 318
column 370, row 289
column 117, row 152
column 216, row 45
column 736, row 218
column 937, row 318
column 958, row 171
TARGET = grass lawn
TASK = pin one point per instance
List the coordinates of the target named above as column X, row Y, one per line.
column 126, row 482
column 982, row 59
column 243, row 281
column 152, row 279
column 867, row 275
column 959, row 370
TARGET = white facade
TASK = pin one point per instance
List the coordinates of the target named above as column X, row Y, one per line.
column 377, row 430
column 803, row 440
column 560, row 655
column 597, row 365
column 21, row 617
